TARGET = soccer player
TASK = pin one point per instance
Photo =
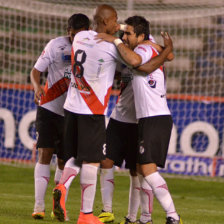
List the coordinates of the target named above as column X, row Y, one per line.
column 56, row 59
column 121, row 139
column 93, row 68
column 155, row 122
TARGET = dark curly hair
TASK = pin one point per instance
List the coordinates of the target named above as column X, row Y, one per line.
column 140, row 24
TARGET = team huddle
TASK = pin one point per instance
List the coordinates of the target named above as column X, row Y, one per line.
column 71, row 116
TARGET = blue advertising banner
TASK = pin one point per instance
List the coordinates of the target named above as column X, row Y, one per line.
column 197, row 137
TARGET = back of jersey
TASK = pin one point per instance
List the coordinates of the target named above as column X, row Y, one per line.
column 93, row 68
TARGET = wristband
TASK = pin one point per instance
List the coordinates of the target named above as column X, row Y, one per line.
column 123, row 27
column 117, row 42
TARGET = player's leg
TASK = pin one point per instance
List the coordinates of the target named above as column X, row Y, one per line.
column 59, row 151
column 134, row 198
column 71, row 169
column 154, row 141
column 146, row 201
column 131, row 137
column 107, row 189
column 46, row 137
column 41, row 177
column 91, row 150
column 57, row 177
column 58, row 174
column 115, row 145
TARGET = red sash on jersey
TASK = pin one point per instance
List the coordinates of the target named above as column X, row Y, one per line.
column 154, row 54
column 90, row 97
column 58, row 89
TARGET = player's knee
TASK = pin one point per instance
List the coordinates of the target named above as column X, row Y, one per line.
column 61, row 164
column 133, row 172
column 107, row 163
column 45, row 155
column 148, row 169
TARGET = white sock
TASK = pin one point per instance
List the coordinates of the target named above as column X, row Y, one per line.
column 57, row 176
column 41, row 178
column 134, row 198
column 88, row 180
column 107, row 188
column 160, row 190
column 69, row 173
column 146, row 200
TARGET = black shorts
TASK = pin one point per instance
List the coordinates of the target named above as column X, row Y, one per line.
column 122, row 143
column 84, row 137
column 154, row 138
column 49, row 128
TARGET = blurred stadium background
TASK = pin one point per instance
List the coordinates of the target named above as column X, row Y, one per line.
column 195, row 78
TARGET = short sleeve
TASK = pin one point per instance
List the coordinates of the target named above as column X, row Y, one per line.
column 145, row 52
column 151, row 38
column 46, row 58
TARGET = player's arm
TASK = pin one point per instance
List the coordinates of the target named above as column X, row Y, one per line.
column 129, row 56
column 132, row 58
column 157, row 61
column 38, row 90
column 160, row 48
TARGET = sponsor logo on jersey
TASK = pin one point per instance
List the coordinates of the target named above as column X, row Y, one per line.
column 66, row 58
column 85, row 44
column 101, row 60
column 83, row 88
column 152, row 83
column 68, row 72
column 86, row 39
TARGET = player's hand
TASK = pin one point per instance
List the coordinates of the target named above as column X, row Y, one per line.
column 105, row 37
column 168, row 43
column 38, row 92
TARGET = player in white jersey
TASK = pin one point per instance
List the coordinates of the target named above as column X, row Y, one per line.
column 155, row 128
column 155, row 122
column 121, row 142
column 93, row 68
column 56, row 60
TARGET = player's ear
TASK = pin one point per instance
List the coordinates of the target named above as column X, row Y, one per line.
column 105, row 21
column 141, row 37
column 68, row 30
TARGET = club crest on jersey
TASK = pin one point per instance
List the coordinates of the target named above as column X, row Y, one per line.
column 152, row 83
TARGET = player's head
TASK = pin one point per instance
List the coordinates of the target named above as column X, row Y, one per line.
column 105, row 19
column 137, row 30
column 76, row 23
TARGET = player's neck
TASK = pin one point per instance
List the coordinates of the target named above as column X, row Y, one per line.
column 99, row 28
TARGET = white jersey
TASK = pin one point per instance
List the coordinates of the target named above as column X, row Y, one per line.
column 56, row 59
column 93, row 68
column 124, row 110
column 150, row 90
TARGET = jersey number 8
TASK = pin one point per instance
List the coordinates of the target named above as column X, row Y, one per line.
column 79, row 59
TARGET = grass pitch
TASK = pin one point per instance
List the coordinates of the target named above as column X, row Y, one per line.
column 198, row 200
